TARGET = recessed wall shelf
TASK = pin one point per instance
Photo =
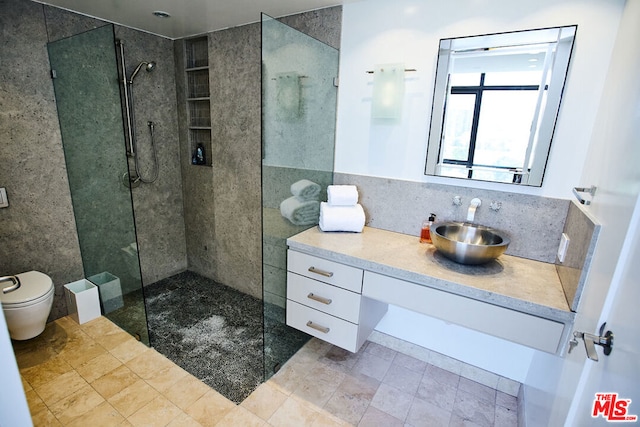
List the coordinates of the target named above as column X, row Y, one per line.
column 198, row 97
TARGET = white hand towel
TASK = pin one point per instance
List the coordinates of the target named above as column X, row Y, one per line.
column 300, row 212
column 341, row 218
column 342, row 195
column 306, row 190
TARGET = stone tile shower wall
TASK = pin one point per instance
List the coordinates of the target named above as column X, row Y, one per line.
column 222, row 203
column 39, row 225
column 37, row 230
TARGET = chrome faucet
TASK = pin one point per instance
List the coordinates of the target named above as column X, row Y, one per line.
column 471, row 214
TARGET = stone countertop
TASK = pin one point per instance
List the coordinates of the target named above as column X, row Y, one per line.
column 520, row 284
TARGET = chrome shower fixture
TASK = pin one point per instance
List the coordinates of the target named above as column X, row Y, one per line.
column 149, row 66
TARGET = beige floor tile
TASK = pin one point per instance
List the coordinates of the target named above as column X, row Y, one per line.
column 159, row 412
column 392, row 401
column 264, row 401
column 316, row 392
column 61, row 387
column 293, row 413
column 45, row 419
column 67, row 323
column 130, row 399
column 372, row 365
column 45, row 372
column 35, row 403
column 353, row 397
column 98, row 366
column 186, row 390
column 147, row 364
column 377, row 418
column 114, row 339
column 25, row 384
column 165, row 379
column 76, row 405
column 403, row 379
column 128, row 350
column 115, row 381
column 240, row 416
column 100, row 326
column 210, row 408
column 325, row 419
column 103, row 415
column 80, row 348
column 424, row 413
column 291, row 376
column 184, row 420
column 472, row 408
column 44, row 347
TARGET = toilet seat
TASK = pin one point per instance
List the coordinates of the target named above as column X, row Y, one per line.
column 34, row 287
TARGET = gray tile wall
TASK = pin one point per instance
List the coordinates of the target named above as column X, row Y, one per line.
column 533, row 223
column 38, row 229
column 583, row 231
column 223, row 232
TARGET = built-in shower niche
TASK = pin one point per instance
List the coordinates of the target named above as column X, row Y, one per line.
column 198, row 100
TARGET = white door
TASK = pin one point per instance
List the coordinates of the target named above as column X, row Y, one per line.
column 615, row 379
column 612, row 290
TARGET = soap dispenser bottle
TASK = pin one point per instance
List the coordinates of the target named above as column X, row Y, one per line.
column 425, row 233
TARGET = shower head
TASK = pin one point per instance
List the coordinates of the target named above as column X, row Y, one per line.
column 149, row 66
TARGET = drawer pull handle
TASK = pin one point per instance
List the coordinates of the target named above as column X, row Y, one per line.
column 317, row 327
column 320, row 272
column 323, row 300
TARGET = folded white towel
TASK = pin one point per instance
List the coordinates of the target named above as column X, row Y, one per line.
column 341, row 218
column 300, row 212
column 342, row 195
column 306, row 190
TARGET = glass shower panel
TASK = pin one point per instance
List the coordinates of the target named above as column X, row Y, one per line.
column 90, row 115
column 298, row 130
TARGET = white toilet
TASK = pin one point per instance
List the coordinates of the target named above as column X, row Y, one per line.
column 27, row 308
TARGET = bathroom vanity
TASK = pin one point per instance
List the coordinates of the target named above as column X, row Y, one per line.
column 340, row 285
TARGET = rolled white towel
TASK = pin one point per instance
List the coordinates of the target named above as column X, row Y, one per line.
column 300, row 212
column 342, row 195
column 306, row 190
column 341, row 218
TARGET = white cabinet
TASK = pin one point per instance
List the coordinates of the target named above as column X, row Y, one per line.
column 324, row 300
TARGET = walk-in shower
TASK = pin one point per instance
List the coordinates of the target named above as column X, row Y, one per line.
column 129, row 121
column 229, row 338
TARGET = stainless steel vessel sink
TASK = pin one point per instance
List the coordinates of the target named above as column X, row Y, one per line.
column 468, row 243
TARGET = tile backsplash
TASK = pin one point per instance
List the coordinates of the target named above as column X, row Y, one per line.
column 583, row 231
column 534, row 224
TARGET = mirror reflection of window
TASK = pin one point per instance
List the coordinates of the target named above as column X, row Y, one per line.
column 496, row 121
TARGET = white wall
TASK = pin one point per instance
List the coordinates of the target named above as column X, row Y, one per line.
column 381, row 31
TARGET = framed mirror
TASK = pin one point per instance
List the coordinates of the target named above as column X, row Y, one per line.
column 495, row 104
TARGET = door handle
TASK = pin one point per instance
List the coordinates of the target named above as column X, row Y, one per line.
column 590, row 341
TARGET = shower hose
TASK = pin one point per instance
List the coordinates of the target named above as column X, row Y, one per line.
column 136, row 161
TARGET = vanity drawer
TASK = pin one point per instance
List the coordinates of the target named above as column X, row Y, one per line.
column 321, row 296
column 324, row 270
column 323, row 326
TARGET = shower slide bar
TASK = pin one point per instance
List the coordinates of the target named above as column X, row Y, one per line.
column 127, row 106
